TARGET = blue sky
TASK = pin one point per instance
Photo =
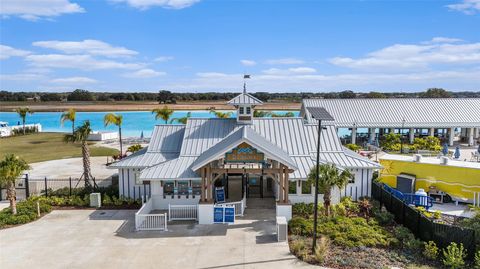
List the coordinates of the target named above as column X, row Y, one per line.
column 202, row 45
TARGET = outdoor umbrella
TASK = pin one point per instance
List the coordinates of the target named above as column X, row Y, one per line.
column 457, row 153
column 445, row 149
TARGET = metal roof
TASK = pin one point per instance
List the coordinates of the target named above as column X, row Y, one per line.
column 176, row 169
column 417, row 112
column 146, row 159
column 249, row 136
column 245, row 99
column 167, row 138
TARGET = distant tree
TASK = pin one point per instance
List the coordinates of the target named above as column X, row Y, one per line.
column 261, row 114
column 288, row 114
column 375, row 95
column 50, row 97
column 330, row 95
column 347, row 95
column 263, row 96
column 10, row 169
column 163, row 113
column 22, row 112
column 165, row 97
column 112, row 118
column 80, row 95
column 81, row 135
column 134, row 148
column 182, row 120
column 69, row 115
column 436, row 93
column 220, row 114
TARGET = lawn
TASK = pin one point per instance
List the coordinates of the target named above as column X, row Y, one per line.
column 46, row 146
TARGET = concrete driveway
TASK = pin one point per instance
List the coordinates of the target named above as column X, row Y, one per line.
column 106, row 239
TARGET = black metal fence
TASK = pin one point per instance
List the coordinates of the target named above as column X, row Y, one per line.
column 422, row 227
column 26, row 186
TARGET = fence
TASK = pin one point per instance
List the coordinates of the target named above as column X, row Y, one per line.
column 27, row 186
column 422, row 227
column 144, row 221
column 182, row 212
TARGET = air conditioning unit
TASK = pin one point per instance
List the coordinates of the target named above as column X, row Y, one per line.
column 282, row 229
column 417, row 158
column 95, row 199
column 444, row 160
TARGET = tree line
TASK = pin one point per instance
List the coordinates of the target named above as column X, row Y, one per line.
column 168, row 97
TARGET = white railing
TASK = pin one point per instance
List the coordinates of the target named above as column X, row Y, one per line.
column 182, row 212
column 144, row 221
column 239, row 206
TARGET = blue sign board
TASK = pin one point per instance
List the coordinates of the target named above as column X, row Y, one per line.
column 229, row 215
column 220, row 194
column 218, row 214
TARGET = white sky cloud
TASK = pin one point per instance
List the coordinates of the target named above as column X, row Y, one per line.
column 84, row 62
column 248, row 62
column 88, row 46
column 296, row 70
column 440, row 39
column 7, row 52
column 145, row 73
column 36, row 9
column 73, row 80
column 21, row 77
column 162, row 59
column 406, row 56
column 468, row 7
column 145, row 4
column 284, row 61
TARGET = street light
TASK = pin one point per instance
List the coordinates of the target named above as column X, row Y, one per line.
column 401, row 136
column 320, row 114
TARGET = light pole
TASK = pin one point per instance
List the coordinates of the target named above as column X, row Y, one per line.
column 401, row 136
column 318, row 113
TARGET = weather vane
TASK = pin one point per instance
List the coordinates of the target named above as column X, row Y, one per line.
column 245, row 76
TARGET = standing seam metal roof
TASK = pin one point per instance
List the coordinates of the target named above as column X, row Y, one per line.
column 245, row 99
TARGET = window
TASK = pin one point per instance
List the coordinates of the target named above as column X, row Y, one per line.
column 168, row 188
column 241, row 110
column 249, row 110
column 183, row 187
column 352, row 178
column 292, row 187
column 136, row 176
column 197, row 187
column 306, row 188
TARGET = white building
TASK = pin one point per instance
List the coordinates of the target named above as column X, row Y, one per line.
column 267, row 158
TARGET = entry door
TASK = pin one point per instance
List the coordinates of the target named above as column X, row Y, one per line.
column 254, row 186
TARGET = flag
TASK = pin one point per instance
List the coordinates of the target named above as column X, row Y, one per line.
column 246, row 76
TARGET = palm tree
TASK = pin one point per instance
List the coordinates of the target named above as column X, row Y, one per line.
column 261, row 114
column 22, row 112
column 182, row 120
column 112, row 118
column 329, row 177
column 80, row 135
column 220, row 114
column 10, row 169
column 69, row 115
column 163, row 113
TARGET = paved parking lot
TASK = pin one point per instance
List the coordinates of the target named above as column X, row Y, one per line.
column 106, row 239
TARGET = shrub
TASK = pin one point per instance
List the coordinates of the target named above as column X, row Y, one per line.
column 26, row 212
column 406, row 238
column 384, row 218
column 106, row 200
column 303, row 209
column 353, row 147
column 476, row 260
column 453, row 256
column 322, row 248
column 430, row 251
column 437, row 214
column 365, row 207
column 350, row 205
column 301, row 226
column 297, row 246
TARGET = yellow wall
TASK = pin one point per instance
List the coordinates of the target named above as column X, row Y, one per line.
column 458, row 182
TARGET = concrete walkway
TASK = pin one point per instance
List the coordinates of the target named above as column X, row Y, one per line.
column 72, row 167
column 106, row 239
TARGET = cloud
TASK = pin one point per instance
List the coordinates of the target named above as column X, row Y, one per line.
column 21, row 77
column 73, row 80
column 146, row 4
column 440, row 39
column 7, row 52
column 296, row 70
column 84, row 62
column 421, row 56
column 469, row 7
column 284, row 61
column 162, row 59
column 88, row 46
column 145, row 73
column 248, row 62
column 35, row 9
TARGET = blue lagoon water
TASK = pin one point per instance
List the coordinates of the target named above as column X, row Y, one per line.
column 134, row 122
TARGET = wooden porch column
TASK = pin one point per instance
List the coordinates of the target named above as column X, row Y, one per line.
column 202, row 194
column 209, row 185
column 287, row 185
column 280, row 183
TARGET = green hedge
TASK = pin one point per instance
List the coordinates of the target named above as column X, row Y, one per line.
column 26, row 212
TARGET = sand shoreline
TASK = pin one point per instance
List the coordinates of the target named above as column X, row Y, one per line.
column 133, row 106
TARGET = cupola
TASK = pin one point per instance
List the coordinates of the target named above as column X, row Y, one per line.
column 245, row 104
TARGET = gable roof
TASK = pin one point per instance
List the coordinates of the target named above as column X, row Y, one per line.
column 244, row 135
column 417, row 112
column 245, row 99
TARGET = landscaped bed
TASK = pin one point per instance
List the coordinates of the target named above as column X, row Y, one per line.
column 361, row 235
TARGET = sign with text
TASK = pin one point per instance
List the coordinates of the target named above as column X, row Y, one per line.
column 244, row 153
column 224, row 214
column 229, row 216
column 220, row 194
column 218, row 213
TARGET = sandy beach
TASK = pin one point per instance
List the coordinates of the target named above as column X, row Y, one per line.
column 134, row 106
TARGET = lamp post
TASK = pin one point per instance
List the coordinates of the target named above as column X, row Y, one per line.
column 401, row 136
column 318, row 113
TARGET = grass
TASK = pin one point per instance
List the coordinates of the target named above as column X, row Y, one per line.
column 46, row 146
